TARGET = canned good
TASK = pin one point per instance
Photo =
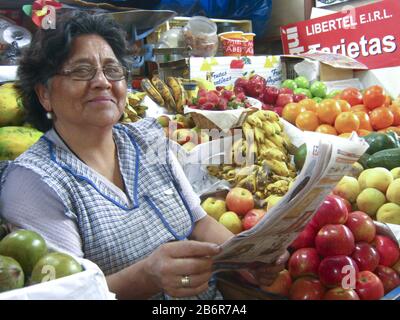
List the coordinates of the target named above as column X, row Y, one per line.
column 248, row 44
column 232, row 43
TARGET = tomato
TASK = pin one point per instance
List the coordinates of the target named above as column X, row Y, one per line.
column 352, row 96
column 369, row 286
column 374, row 97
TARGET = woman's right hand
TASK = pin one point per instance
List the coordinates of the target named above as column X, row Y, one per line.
column 170, row 263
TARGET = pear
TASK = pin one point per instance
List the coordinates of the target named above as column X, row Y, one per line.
column 378, row 178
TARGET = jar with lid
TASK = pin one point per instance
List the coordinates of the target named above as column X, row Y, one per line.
column 200, row 33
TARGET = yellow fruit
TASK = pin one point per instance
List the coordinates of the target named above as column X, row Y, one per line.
column 393, row 192
column 378, row 178
column 16, row 140
column 231, row 221
column 395, row 173
column 389, row 213
column 347, row 188
column 370, row 200
column 272, row 201
column 11, row 110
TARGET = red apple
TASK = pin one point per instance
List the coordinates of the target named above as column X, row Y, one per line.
column 369, row 286
column 255, row 86
column 345, row 201
column 307, row 288
column 281, row 285
column 251, row 218
column 298, row 97
column 283, row 99
column 240, row 201
column 182, row 136
column 396, row 267
column 270, row 95
column 306, row 238
column 267, row 106
column 333, row 270
column 341, row 294
column 304, row 262
column 334, row 240
column 286, row 91
column 332, row 211
column 390, row 279
column 366, row 256
column 278, row 110
column 362, row 226
column 388, row 250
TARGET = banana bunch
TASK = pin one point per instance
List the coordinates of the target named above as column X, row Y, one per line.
column 264, row 135
column 134, row 110
column 170, row 95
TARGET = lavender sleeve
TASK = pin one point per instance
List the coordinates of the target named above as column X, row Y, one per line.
column 29, row 203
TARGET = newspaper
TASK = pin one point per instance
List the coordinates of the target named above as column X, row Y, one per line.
column 328, row 159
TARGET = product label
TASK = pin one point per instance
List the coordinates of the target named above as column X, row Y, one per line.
column 223, row 71
column 369, row 34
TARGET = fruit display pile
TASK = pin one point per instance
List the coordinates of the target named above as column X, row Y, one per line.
column 349, row 110
column 220, row 100
column 339, row 256
column 25, row 260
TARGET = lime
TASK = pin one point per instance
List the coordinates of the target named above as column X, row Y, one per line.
column 318, row 89
column 300, row 156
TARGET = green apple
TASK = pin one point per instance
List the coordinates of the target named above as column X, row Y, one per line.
column 306, row 92
column 302, row 82
column 231, row 221
column 333, row 94
column 318, row 89
column 214, row 207
column 290, row 84
column 393, row 192
column 370, row 200
column 389, row 213
column 347, row 188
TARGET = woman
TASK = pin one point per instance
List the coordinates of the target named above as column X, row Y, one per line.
column 91, row 186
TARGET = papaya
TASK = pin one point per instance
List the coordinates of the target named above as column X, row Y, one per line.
column 11, row 109
column 16, row 140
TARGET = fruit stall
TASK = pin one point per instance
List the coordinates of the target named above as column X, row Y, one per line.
column 248, row 118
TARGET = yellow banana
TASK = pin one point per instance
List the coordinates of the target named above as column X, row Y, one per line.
column 278, row 167
column 271, row 115
column 254, row 121
column 277, row 127
column 178, row 93
column 268, row 128
column 163, row 89
column 259, row 135
column 273, row 153
column 148, row 87
column 248, row 183
column 248, row 131
column 277, row 140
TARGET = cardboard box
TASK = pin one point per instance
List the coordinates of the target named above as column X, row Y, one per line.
column 223, row 71
column 321, row 66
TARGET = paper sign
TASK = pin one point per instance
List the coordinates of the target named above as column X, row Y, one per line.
column 369, row 34
column 324, row 3
column 223, row 71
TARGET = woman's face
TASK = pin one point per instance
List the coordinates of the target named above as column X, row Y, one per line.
column 98, row 102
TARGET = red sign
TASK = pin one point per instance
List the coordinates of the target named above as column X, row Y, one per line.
column 369, row 34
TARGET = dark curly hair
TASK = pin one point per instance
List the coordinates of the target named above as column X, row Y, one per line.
column 50, row 48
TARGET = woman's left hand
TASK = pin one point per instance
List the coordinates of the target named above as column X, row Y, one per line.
column 265, row 274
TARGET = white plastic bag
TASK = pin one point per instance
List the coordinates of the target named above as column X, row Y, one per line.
column 89, row 284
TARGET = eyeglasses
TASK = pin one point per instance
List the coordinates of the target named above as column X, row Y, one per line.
column 87, row 72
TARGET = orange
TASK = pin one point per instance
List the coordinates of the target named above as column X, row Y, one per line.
column 359, row 107
column 328, row 110
column 309, row 104
column 381, row 118
column 327, row 129
column 291, row 111
column 307, row 120
column 365, row 122
column 345, row 135
column 346, row 122
column 363, row 132
column 396, row 113
column 344, row 105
